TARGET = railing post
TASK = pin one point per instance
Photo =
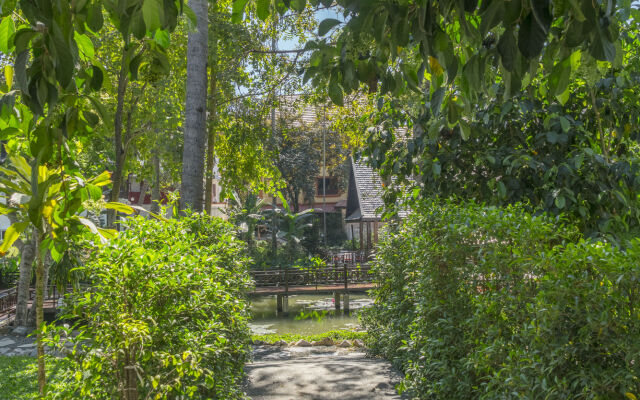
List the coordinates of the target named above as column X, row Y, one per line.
column 286, row 282
column 346, row 278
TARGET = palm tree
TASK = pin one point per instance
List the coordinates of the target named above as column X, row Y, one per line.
column 195, row 126
column 246, row 214
column 291, row 225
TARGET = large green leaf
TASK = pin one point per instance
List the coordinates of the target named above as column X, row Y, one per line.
column 601, row 48
column 12, row 234
column 326, row 25
column 508, row 49
column 262, row 8
column 531, row 37
column 123, row 208
column 335, row 93
column 298, row 5
column 153, row 14
column 6, row 30
column 237, row 10
column 85, row 46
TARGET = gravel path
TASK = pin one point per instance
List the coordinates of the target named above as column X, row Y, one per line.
column 318, row 373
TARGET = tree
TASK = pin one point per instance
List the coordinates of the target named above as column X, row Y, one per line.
column 245, row 212
column 56, row 79
column 195, row 127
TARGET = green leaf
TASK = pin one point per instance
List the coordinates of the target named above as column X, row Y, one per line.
column 108, row 233
column 119, row 207
column 12, row 234
column 453, row 113
column 491, row 16
column 326, row 25
column 153, row 14
column 564, row 122
column 436, row 100
column 577, row 10
column 465, row 129
column 102, row 179
column 161, row 37
column 94, row 17
column 85, row 46
column 531, row 38
column 560, row 202
column 559, row 77
column 97, row 77
column 7, row 29
column 263, row 9
column 193, row 19
column 542, row 14
column 99, row 108
column 335, row 93
column 508, row 49
column 298, row 5
column 8, row 76
column 94, row 192
column 601, row 48
column 502, row 190
column 236, row 14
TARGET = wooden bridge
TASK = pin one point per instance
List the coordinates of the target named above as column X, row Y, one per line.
column 9, row 299
column 340, row 279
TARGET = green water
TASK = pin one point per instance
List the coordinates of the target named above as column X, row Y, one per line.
column 308, row 314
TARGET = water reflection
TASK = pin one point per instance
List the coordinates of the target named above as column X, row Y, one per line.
column 308, row 314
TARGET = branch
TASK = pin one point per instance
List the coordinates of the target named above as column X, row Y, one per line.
column 295, row 51
column 271, row 89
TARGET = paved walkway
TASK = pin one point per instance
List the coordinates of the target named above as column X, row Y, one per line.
column 319, row 373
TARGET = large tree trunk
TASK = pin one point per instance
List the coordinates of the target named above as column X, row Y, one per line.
column 118, row 172
column 195, row 127
column 211, row 141
column 27, row 255
column 144, row 186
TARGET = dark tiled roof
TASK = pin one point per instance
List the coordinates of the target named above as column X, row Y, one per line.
column 368, row 188
column 364, row 199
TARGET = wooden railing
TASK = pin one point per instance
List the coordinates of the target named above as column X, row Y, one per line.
column 338, row 274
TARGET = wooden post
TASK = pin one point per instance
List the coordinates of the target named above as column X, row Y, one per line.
column 375, row 232
column 336, row 300
column 285, row 305
column 361, row 227
column 345, row 300
column 279, row 303
column 346, row 277
column 353, row 238
column 368, row 239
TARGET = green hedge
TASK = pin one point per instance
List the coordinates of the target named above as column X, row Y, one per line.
column 479, row 302
column 165, row 316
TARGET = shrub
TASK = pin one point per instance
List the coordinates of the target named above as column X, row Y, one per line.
column 581, row 340
column 456, row 282
column 165, row 316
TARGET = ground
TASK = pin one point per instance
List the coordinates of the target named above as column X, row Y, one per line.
column 319, row 373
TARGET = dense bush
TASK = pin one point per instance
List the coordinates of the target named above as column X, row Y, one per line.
column 165, row 316
column 488, row 303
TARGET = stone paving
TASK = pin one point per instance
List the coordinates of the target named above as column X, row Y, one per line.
column 17, row 345
column 319, row 373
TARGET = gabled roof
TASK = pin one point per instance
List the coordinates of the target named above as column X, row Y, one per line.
column 365, row 193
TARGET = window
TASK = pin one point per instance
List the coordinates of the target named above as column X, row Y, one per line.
column 332, row 186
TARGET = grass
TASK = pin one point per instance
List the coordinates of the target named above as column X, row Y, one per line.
column 291, row 337
column 19, row 377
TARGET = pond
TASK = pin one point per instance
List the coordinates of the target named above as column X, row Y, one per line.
column 308, row 314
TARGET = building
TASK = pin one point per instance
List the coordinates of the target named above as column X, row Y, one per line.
column 363, row 214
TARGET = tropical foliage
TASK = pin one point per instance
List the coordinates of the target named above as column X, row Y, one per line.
column 485, row 302
column 165, row 317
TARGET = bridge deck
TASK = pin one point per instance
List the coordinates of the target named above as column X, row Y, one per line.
column 352, row 288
